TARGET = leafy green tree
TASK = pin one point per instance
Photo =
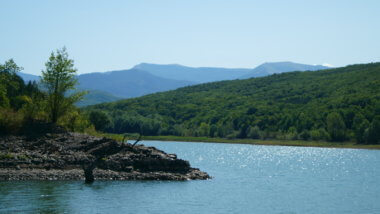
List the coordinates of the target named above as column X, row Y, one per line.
column 213, row 130
column 204, row 129
column 336, row 127
column 254, row 132
column 319, row 134
column 4, row 101
column 374, row 131
column 360, row 124
column 99, row 119
column 9, row 81
column 59, row 81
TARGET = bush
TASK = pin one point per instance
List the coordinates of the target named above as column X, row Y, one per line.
column 74, row 121
column 11, row 122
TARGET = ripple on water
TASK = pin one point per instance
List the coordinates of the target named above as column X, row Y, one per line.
column 247, row 179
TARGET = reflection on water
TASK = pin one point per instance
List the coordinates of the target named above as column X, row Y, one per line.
column 247, row 179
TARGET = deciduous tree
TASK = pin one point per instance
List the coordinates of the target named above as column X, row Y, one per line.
column 59, row 81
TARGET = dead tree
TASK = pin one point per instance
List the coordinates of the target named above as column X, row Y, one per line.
column 138, row 139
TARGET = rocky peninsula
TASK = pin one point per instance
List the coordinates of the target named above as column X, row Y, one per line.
column 75, row 156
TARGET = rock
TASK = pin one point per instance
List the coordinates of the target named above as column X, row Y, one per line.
column 73, row 156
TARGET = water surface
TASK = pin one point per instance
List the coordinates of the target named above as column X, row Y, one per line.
column 247, row 179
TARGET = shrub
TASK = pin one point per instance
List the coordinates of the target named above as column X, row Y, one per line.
column 11, row 122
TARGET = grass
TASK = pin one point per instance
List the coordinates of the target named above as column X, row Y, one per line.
column 324, row 144
column 4, row 156
column 265, row 142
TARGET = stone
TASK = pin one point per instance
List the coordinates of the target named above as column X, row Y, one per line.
column 74, row 156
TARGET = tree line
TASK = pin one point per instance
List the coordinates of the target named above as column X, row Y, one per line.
column 341, row 104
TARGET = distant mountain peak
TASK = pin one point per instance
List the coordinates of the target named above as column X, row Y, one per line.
column 269, row 68
column 143, row 64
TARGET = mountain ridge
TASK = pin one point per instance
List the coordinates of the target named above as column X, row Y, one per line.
column 128, row 83
column 269, row 68
column 195, row 74
column 146, row 78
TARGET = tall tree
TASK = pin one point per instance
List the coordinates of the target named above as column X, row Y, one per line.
column 374, row 131
column 100, row 120
column 8, row 83
column 336, row 127
column 59, row 80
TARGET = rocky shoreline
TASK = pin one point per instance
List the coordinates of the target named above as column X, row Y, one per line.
column 74, row 156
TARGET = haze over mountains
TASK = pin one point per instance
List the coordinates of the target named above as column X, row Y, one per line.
column 270, row 68
column 148, row 78
column 213, row 74
column 128, row 83
column 198, row 75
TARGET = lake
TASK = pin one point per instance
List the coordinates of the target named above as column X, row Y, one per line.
column 246, row 179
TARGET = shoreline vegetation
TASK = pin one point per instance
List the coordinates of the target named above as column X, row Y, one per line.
column 334, row 105
column 272, row 142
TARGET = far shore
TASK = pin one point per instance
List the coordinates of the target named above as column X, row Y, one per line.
column 301, row 143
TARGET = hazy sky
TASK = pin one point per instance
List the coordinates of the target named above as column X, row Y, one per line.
column 111, row 35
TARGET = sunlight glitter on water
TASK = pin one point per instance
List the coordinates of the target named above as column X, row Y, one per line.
column 246, row 179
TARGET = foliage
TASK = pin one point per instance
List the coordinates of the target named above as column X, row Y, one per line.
column 58, row 79
column 373, row 136
column 336, row 127
column 9, row 82
column 11, row 122
column 24, row 104
column 334, row 104
column 100, row 120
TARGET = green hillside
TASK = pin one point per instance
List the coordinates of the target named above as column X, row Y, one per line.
column 94, row 97
column 336, row 104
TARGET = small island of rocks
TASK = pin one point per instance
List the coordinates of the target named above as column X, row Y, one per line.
column 74, row 156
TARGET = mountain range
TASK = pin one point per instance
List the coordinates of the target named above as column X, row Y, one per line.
column 148, row 78
column 128, row 83
column 198, row 75
column 270, row 68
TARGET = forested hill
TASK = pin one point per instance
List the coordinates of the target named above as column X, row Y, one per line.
column 335, row 104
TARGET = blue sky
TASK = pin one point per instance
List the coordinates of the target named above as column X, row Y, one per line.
column 110, row 35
